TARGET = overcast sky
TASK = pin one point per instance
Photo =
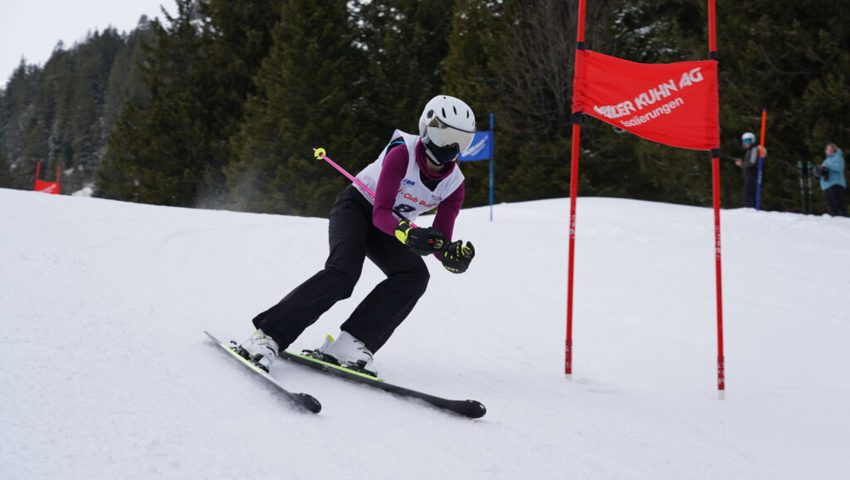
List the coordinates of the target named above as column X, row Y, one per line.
column 32, row 28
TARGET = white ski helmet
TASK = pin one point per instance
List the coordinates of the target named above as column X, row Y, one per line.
column 748, row 138
column 446, row 127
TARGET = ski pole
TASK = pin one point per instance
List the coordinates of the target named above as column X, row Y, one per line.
column 321, row 154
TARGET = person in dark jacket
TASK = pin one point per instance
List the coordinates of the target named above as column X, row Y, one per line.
column 749, row 165
column 832, row 181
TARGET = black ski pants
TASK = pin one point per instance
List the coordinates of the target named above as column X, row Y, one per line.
column 751, row 175
column 835, row 201
column 352, row 238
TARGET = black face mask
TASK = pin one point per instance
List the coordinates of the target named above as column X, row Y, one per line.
column 442, row 155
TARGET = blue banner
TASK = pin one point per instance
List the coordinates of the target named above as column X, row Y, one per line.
column 481, row 148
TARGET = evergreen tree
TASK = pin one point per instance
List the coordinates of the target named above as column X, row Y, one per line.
column 126, row 78
column 88, row 89
column 55, row 105
column 54, row 114
column 5, row 174
column 406, row 43
column 309, row 92
column 469, row 71
column 19, row 95
column 157, row 154
column 199, row 75
column 238, row 36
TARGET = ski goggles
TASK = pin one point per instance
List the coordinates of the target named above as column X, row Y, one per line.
column 443, row 135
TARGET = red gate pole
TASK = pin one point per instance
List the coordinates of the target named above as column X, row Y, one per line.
column 721, row 372
column 37, row 173
column 568, row 358
column 715, row 171
column 574, row 157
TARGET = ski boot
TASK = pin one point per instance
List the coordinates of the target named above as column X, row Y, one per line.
column 260, row 349
column 346, row 351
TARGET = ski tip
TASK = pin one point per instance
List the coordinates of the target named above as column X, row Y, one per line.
column 474, row 409
column 212, row 337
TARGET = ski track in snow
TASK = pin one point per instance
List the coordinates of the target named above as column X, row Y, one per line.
column 106, row 372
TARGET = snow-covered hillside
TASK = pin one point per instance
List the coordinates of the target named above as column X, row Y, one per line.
column 105, row 372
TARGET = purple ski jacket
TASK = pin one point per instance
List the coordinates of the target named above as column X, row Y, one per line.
column 392, row 172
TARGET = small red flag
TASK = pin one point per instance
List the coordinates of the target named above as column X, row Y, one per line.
column 675, row 104
column 47, row 187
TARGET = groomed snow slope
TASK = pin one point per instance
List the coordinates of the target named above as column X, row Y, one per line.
column 105, row 372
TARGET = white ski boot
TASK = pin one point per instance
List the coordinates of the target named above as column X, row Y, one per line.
column 260, row 349
column 349, row 352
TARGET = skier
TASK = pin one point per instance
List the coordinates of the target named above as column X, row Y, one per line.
column 749, row 165
column 412, row 175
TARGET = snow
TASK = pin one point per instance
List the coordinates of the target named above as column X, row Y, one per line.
column 86, row 191
column 105, row 371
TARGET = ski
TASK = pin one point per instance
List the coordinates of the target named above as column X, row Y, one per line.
column 466, row 408
column 302, row 400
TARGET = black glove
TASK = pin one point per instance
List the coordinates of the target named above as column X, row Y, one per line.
column 423, row 241
column 456, row 256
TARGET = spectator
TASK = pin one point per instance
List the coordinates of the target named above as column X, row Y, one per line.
column 832, row 181
column 749, row 164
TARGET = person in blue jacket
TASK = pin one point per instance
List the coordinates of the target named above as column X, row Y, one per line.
column 832, row 181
